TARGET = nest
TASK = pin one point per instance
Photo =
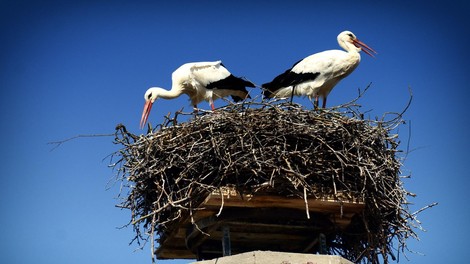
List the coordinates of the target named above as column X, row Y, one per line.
column 277, row 147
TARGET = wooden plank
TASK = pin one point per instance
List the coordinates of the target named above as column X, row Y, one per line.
column 215, row 201
column 265, row 237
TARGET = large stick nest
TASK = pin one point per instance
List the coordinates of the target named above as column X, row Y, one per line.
column 280, row 146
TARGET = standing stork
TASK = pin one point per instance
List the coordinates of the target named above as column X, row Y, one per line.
column 200, row 81
column 316, row 75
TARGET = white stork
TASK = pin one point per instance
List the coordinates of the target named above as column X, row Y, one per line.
column 200, row 81
column 316, row 75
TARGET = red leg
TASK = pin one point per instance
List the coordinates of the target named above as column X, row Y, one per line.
column 211, row 102
column 315, row 104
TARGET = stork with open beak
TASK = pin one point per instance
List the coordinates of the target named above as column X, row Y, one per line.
column 316, row 75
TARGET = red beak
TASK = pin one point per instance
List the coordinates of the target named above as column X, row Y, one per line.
column 145, row 113
column 368, row 50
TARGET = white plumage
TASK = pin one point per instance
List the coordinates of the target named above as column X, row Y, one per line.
column 200, row 81
column 316, row 75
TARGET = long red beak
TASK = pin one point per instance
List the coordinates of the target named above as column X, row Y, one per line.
column 368, row 50
column 145, row 113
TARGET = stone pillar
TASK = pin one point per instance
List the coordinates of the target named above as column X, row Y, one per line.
column 273, row 257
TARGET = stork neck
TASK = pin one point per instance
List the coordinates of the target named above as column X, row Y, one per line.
column 349, row 47
column 167, row 94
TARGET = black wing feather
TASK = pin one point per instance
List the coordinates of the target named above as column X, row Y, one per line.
column 232, row 83
column 287, row 78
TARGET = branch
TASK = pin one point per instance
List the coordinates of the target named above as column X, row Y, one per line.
column 60, row 142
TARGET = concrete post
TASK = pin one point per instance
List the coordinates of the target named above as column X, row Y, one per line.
column 272, row 257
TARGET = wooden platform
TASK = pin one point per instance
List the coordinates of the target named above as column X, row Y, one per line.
column 255, row 222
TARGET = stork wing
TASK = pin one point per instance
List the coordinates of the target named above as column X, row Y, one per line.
column 330, row 64
column 206, row 73
column 289, row 78
column 214, row 75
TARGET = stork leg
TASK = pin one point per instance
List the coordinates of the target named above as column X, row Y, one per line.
column 195, row 110
column 211, row 102
column 324, row 102
column 315, row 103
column 292, row 95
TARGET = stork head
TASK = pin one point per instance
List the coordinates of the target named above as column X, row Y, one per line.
column 150, row 96
column 348, row 40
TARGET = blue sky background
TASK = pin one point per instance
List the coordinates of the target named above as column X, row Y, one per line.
column 81, row 67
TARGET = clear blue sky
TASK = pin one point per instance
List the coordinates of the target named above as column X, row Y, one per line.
column 81, row 67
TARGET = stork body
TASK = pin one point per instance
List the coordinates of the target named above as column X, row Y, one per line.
column 316, row 75
column 200, row 81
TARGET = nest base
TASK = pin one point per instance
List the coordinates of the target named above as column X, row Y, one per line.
column 260, row 221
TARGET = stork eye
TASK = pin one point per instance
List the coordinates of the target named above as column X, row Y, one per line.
column 149, row 96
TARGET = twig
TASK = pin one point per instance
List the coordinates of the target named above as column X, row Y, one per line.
column 307, row 210
column 60, row 142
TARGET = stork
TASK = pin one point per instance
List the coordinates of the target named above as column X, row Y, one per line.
column 316, row 75
column 200, row 81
